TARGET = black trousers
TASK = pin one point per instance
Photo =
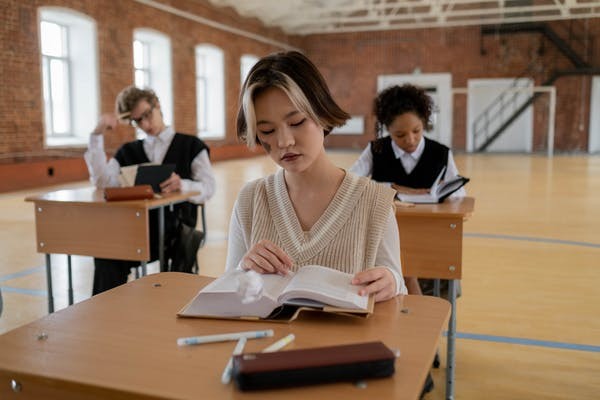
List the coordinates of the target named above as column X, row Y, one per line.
column 110, row 273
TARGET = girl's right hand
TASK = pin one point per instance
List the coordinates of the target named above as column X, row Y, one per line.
column 266, row 258
column 408, row 190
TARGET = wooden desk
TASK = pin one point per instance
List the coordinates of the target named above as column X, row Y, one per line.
column 121, row 344
column 81, row 222
column 431, row 238
column 431, row 247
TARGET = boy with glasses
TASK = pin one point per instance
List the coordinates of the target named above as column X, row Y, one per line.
column 162, row 145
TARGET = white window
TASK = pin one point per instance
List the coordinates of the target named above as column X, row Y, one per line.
column 152, row 67
column 247, row 61
column 210, row 92
column 141, row 63
column 69, row 76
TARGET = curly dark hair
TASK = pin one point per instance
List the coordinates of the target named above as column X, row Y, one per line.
column 397, row 100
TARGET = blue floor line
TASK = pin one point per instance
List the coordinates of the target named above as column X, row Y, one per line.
column 20, row 274
column 527, row 342
column 532, row 239
column 30, row 292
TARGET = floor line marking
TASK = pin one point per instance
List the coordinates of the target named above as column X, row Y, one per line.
column 532, row 239
column 527, row 342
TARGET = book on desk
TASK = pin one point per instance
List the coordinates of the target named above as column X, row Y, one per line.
column 311, row 288
column 438, row 192
column 146, row 174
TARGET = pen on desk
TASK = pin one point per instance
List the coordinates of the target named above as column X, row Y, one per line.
column 239, row 347
column 223, row 337
column 281, row 343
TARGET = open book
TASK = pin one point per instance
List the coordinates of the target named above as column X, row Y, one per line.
column 146, row 174
column 438, row 192
column 311, row 286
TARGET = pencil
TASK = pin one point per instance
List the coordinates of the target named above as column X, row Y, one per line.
column 223, row 337
column 281, row 343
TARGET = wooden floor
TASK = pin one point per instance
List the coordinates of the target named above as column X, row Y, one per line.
column 529, row 315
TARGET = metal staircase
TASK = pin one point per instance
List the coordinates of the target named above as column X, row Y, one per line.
column 506, row 108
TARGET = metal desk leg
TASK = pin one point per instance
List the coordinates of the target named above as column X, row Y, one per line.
column 49, row 283
column 70, row 279
column 450, row 361
column 143, row 268
column 161, row 239
column 436, row 287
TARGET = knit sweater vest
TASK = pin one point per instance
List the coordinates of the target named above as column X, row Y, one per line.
column 388, row 168
column 181, row 152
column 346, row 237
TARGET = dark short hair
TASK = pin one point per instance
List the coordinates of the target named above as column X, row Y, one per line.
column 300, row 80
column 397, row 100
column 128, row 98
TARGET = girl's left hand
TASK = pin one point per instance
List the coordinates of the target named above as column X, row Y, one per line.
column 377, row 280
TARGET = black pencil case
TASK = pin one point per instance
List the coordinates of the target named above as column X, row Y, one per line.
column 253, row 371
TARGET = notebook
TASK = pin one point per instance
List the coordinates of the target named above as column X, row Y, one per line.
column 153, row 175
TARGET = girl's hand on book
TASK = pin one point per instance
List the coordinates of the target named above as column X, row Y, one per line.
column 267, row 258
column 379, row 281
column 408, row 190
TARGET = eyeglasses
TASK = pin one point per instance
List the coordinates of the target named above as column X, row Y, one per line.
column 147, row 114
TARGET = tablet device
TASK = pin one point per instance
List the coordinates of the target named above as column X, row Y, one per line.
column 153, row 175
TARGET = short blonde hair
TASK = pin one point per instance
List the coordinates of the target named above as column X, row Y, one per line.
column 128, row 98
column 300, row 80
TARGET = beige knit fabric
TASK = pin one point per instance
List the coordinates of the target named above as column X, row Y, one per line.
column 346, row 237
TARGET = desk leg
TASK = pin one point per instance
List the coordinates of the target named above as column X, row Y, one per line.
column 49, row 283
column 450, row 361
column 161, row 239
column 70, row 279
column 143, row 268
column 436, row 287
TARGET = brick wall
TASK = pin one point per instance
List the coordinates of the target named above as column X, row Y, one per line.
column 21, row 120
column 350, row 62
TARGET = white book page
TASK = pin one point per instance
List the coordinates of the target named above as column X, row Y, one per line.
column 220, row 298
column 452, row 185
column 127, row 176
column 417, row 198
column 326, row 285
column 436, row 183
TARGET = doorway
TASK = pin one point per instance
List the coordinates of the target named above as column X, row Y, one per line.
column 481, row 95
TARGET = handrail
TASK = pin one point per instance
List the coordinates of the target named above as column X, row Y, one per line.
column 495, row 111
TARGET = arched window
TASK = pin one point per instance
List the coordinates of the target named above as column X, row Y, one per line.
column 69, row 75
column 152, row 67
column 210, row 91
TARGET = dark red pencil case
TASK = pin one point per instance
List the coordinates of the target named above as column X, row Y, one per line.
column 254, row 371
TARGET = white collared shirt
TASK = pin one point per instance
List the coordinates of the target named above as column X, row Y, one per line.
column 105, row 173
column 364, row 165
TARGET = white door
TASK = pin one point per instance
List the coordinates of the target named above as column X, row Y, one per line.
column 482, row 94
column 439, row 87
column 594, row 138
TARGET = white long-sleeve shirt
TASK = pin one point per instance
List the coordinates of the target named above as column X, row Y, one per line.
column 388, row 252
column 364, row 165
column 105, row 173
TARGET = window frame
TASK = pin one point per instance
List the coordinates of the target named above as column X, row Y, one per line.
column 212, row 75
column 79, row 61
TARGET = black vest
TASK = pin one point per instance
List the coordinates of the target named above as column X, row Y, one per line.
column 181, row 152
column 388, row 168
